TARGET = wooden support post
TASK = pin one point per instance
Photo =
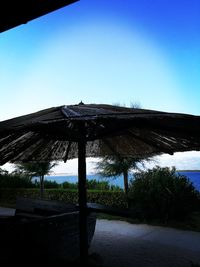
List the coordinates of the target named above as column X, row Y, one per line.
column 82, row 192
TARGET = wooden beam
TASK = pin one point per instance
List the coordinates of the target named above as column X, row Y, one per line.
column 82, row 193
column 161, row 147
column 67, row 152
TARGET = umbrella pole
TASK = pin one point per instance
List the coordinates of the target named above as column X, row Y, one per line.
column 82, row 192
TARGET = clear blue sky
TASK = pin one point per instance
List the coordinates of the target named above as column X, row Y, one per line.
column 104, row 51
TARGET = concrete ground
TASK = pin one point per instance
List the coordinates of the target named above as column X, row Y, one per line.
column 122, row 244
column 6, row 212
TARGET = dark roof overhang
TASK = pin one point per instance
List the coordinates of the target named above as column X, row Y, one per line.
column 16, row 12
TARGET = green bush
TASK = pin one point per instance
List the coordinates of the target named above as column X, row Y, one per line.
column 101, row 185
column 20, row 180
column 162, row 194
column 109, row 198
column 9, row 195
column 92, row 185
column 15, row 180
column 47, row 184
column 67, row 185
column 115, row 199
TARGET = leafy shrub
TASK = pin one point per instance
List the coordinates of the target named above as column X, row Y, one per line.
column 162, row 194
column 109, row 198
column 67, row 185
column 15, row 180
column 101, row 185
column 115, row 199
column 47, row 184
column 92, row 185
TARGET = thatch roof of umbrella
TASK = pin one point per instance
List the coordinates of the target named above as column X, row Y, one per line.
column 52, row 134
column 16, row 12
column 67, row 132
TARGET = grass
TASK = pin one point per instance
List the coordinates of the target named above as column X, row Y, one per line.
column 195, row 264
column 7, row 204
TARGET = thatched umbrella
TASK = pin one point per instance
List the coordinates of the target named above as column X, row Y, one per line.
column 17, row 12
column 80, row 131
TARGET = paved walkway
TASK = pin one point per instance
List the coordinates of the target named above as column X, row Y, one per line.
column 6, row 212
column 122, row 244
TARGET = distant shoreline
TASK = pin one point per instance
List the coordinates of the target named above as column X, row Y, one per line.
column 92, row 174
column 193, row 175
column 188, row 170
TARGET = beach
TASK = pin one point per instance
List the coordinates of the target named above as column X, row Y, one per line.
column 120, row 244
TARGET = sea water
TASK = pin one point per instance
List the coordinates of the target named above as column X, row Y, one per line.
column 194, row 177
